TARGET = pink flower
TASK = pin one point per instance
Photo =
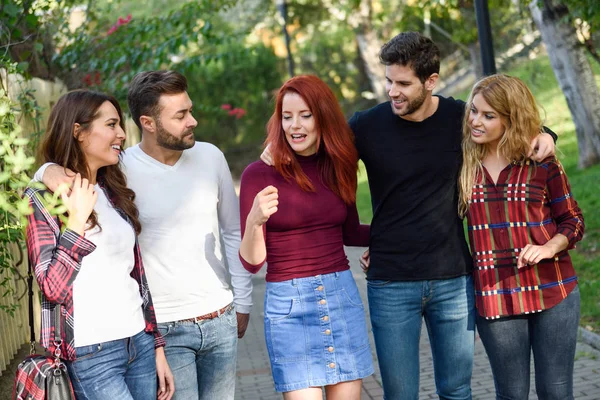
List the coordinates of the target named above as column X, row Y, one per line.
column 87, row 80
column 97, row 78
column 121, row 21
column 239, row 112
column 226, row 107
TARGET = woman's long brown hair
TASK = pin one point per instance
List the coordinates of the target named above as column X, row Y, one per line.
column 61, row 146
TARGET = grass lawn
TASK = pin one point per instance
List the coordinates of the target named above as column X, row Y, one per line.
column 585, row 184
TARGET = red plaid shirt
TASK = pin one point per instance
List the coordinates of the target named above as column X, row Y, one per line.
column 56, row 258
column 531, row 203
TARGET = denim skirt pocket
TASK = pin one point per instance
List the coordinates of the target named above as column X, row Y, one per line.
column 352, row 296
column 284, row 325
column 353, row 313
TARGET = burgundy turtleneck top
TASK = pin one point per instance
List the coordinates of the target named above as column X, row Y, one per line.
column 306, row 236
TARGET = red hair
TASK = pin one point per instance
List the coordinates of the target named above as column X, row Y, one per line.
column 336, row 153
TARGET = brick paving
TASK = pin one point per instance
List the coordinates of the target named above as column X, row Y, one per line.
column 254, row 380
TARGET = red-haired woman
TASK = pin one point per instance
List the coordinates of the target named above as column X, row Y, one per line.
column 297, row 217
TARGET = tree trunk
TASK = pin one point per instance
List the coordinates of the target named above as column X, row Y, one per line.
column 368, row 47
column 476, row 62
column 574, row 75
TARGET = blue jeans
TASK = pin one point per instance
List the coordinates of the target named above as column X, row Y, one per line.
column 551, row 334
column 121, row 369
column 202, row 357
column 397, row 309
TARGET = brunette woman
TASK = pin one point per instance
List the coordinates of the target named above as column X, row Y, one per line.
column 88, row 264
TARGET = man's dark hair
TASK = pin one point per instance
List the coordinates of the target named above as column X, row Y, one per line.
column 414, row 50
column 147, row 87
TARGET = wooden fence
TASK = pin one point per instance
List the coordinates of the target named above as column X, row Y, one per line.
column 14, row 330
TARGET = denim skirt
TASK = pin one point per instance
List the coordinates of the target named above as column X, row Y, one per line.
column 316, row 331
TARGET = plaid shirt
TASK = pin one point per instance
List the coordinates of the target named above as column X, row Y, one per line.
column 531, row 203
column 56, row 257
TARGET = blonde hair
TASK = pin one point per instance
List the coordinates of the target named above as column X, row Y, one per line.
column 519, row 113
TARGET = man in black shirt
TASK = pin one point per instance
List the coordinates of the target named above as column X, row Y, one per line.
column 418, row 265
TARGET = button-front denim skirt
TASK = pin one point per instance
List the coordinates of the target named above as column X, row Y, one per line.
column 316, row 332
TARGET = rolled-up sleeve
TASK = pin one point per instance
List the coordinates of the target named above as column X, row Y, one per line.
column 565, row 211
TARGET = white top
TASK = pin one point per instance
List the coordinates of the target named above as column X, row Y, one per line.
column 105, row 274
column 185, row 210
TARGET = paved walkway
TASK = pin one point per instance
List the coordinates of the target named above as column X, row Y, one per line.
column 254, row 380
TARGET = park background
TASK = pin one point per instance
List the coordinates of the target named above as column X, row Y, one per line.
column 236, row 54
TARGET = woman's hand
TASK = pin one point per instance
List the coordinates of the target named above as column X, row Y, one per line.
column 531, row 255
column 166, row 382
column 264, row 205
column 80, row 203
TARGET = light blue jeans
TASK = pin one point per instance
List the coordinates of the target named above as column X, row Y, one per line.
column 202, row 357
column 397, row 309
column 550, row 334
column 121, row 369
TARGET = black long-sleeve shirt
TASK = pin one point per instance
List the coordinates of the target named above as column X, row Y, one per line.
column 413, row 169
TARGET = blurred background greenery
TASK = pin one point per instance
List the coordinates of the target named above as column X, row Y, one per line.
column 235, row 57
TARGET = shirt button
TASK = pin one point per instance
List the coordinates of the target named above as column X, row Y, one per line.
column 322, row 302
column 331, row 365
column 328, row 331
column 330, row 349
column 326, row 318
column 320, row 288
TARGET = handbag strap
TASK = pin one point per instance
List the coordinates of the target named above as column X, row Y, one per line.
column 30, row 296
column 55, row 314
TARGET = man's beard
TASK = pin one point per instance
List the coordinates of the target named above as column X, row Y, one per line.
column 415, row 104
column 172, row 142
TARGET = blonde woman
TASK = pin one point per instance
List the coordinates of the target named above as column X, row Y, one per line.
column 522, row 220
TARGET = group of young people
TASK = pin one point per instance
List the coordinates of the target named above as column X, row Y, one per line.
column 164, row 205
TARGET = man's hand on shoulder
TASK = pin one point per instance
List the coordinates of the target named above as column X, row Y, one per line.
column 266, row 156
column 58, row 179
column 542, row 146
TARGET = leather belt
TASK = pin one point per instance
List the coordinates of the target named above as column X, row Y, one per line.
column 211, row 315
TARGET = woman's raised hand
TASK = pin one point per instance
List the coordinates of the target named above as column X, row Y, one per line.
column 264, row 205
column 80, row 203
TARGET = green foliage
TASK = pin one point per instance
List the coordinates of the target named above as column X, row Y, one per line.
column 244, row 77
column 108, row 54
column 587, row 10
column 14, row 164
column 329, row 54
